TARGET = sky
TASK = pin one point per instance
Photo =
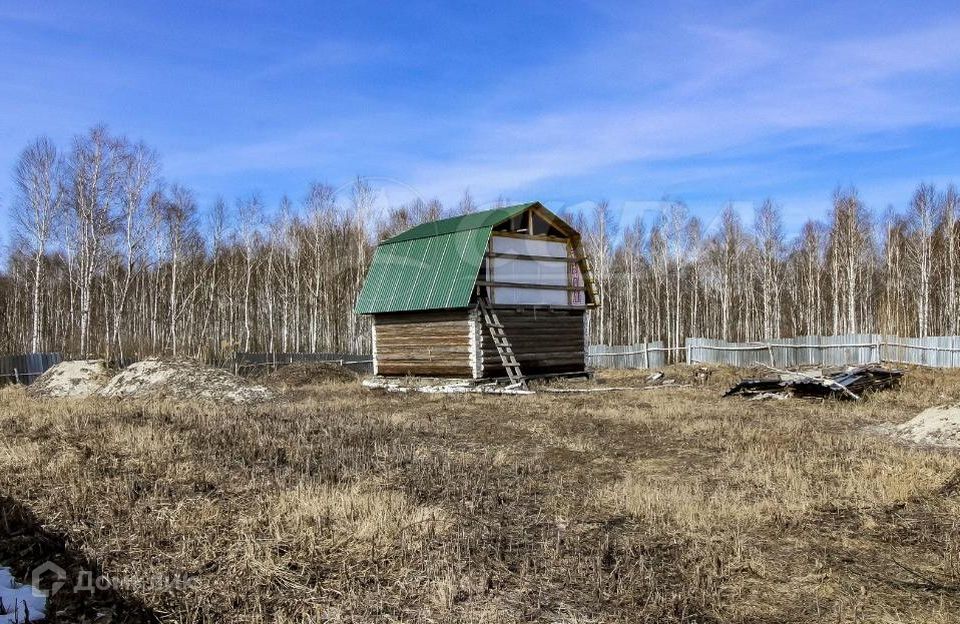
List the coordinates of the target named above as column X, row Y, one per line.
column 563, row 102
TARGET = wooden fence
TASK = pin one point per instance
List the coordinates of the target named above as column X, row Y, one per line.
column 26, row 367
column 643, row 355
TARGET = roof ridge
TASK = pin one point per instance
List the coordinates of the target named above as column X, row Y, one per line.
column 469, row 221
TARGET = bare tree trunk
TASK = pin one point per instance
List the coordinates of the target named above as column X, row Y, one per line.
column 38, row 203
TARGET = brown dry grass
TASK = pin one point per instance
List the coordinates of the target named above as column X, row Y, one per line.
column 351, row 505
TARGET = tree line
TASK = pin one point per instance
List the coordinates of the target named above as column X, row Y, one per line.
column 853, row 272
column 110, row 259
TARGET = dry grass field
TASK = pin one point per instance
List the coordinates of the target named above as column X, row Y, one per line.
column 348, row 505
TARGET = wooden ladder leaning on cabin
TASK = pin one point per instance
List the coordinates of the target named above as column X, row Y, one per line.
column 500, row 340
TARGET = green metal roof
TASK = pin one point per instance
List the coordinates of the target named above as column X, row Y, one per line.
column 430, row 266
column 485, row 219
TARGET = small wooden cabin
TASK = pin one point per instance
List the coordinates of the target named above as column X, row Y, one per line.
column 435, row 290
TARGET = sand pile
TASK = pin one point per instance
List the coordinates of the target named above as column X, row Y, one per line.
column 939, row 426
column 181, row 379
column 73, row 378
column 308, row 374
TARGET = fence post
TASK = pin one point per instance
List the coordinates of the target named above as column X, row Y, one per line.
column 646, row 354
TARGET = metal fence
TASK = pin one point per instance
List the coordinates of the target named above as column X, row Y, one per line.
column 936, row 351
column 643, row 355
column 26, row 367
column 788, row 352
column 246, row 361
column 849, row 349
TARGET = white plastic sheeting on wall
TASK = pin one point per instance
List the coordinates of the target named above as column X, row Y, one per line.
column 523, row 271
column 528, row 246
column 530, row 271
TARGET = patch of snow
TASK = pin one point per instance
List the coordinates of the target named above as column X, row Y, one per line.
column 20, row 603
column 460, row 387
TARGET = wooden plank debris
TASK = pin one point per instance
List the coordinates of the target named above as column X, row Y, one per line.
column 849, row 384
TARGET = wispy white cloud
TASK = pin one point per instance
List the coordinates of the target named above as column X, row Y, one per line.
column 752, row 88
column 875, row 59
column 728, row 97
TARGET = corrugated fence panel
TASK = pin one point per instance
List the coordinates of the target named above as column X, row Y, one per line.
column 934, row 351
column 711, row 351
column 26, row 367
column 843, row 350
column 786, row 352
column 643, row 355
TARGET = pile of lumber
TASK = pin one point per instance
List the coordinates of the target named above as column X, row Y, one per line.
column 850, row 384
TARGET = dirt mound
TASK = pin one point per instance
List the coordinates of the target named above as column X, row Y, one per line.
column 308, row 374
column 73, row 378
column 182, row 379
column 938, row 426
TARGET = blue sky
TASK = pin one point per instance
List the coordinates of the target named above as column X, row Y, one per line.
column 564, row 102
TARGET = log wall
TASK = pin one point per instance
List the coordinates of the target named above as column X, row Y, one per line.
column 455, row 343
column 544, row 341
column 429, row 344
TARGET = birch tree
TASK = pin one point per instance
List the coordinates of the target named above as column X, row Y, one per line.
column 250, row 212
column 176, row 217
column 730, row 242
column 850, row 248
column 602, row 230
column 93, row 169
column 769, row 229
column 319, row 205
column 951, row 239
column 38, row 203
column 675, row 218
column 138, row 168
column 923, row 218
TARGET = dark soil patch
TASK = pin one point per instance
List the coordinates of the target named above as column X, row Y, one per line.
column 299, row 375
column 25, row 545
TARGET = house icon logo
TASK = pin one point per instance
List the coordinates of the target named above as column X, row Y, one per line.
column 46, row 569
